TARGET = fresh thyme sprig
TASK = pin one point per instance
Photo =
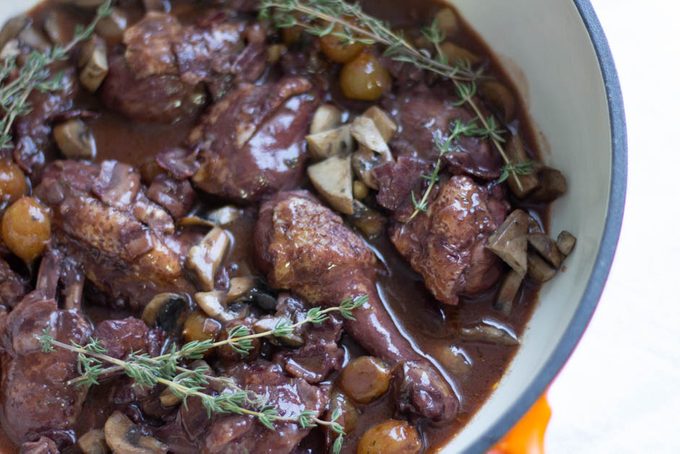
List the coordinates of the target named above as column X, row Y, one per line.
column 34, row 74
column 185, row 383
column 521, row 168
column 350, row 24
column 444, row 145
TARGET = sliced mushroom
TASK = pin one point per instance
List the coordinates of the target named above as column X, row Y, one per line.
column 382, row 121
column 205, row 257
column 239, row 287
column 57, row 27
column 125, row 437
column 334, row 142
column 509, row 242
column 224, row 216
column 455, row 54
column 169, row 399
column 491, row 332
column 94, row 64
column 552, row 185
column 500, row 97
column 112, row 27
column 546, row 248
column 93, row 442
column 270, row 323
column 508, row 291
column 363, row 163
column 12, row 28
column 369, row 221
column 366, row 133
column 195, row 221
column 447, row 21
column 75, row 139
column 198, row 327
column 10, row 49
column 214, row 304
column 517, row 154
column 167, row 311
column 538, row 269
column 326, row 117
column 263, row 298
column 35, row 39
column 566, row 242
column 332, row 178
column 359, row 189
column 454, row 359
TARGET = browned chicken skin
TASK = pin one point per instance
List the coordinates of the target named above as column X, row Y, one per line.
column 102, row 217
column 305, row 247
column 446, row 245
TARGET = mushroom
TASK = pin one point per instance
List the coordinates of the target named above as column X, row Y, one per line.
column 508, row 291
column 454, row 359
column 546, row 248
column 224, row 216
column 369, row 221
column 35, row 39
column 552, row 185
column 75, row 139
column 93, row 63
column 538, row 269
column 566, row 242
column 213, row 304
column 12, row 28
column 373, row 150
column 167, row 311
column 205, row 257
column 382, row 121
column 326, row 117
column 509, row 242
column 198, row 327
column 93, row 442
column 366, row 133
column 112, row 27
column 240, row 287
column 333, row 142
column 455, row 54
column 500, row 97
column 56, row 26
column 447, row 21
column 517, row 154
column 491, row 332
column 333, row 179
column 125, row 437
column 10, row 49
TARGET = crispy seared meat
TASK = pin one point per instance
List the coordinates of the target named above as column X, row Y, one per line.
column 304, row 247
column 103, row 218
column 251, row 142
column 446, row 245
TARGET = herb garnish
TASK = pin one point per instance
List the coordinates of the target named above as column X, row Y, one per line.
column 351, row 24
column 35, row 75
column 184, row 383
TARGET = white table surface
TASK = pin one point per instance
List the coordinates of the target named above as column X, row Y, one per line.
column 619, row 392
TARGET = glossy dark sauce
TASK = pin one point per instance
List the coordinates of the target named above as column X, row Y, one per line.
column 429, row 325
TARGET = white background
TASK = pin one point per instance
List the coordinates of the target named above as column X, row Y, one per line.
column 620, row 391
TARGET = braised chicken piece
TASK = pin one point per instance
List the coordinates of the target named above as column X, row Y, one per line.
column 252, row 141
column 36, row 398
column 305, row 247
column 425, row 114
column 158, row 76
column 447, row 244
column 103, row 217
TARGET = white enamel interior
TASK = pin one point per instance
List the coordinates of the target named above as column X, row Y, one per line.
column 566, row 98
